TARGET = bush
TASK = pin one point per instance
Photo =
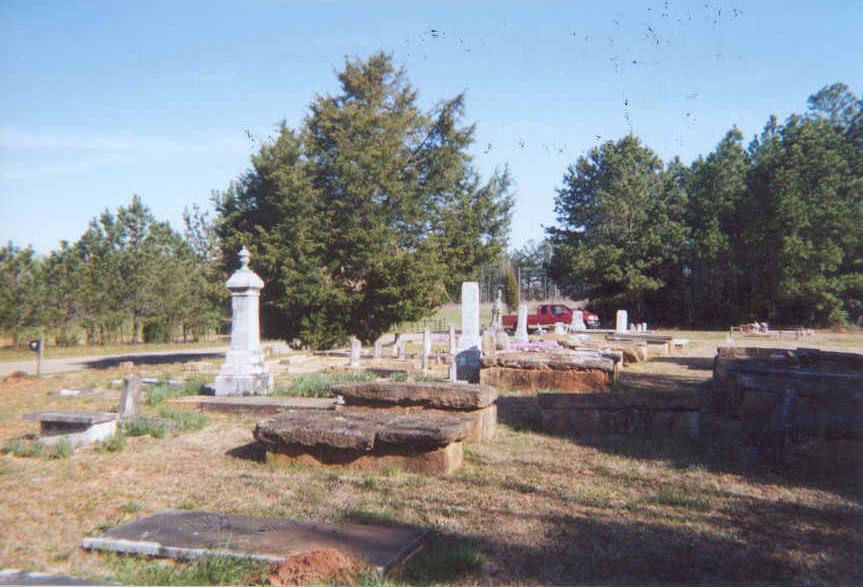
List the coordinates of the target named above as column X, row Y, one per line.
column 399, row 376
column 185, row 421
column 62, row 450
column 158, row 393
column 321, row 384
column 116, row 443
column 145, row 426
column 20, row 447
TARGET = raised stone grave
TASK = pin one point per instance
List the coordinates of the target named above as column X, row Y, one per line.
column 259, row 405
column 190, row 535
column 476, row 403
column 802, row 398
column 657, row 414
column 76, row 428
column 426, row 443
column 571, row 371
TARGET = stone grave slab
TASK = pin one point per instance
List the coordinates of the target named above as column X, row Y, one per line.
column 570, row 371
column 77, row 428
column 185, row 534
column 475, row 402
column 251, row 404
column 429, row 443
column 17, row 577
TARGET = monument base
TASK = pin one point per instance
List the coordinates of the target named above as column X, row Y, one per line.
column 244, row 384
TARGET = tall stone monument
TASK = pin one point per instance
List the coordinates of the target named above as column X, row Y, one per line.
column 244, row 371
column 468, row 357
column 622, row 323
column 521, row 325
column 577, row 322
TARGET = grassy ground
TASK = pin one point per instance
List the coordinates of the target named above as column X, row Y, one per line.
column 526, row 507
column 51, row 352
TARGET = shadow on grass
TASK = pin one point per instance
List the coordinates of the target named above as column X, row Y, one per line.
column 152, row 359
column 253, row 451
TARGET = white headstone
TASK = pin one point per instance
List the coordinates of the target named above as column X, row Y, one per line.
column 244, row 371
column 426, row 348
column 521, row 325
column 644, row 326
column 396, row 340
column 577, row 322
column 401, row 349
column 559, row 328
column 469, row 316
column 452, row 340
column 356, row 350
column 377, row 349
column 622, row 324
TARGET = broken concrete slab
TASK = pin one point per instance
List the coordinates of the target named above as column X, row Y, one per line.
column 259, row 405
column 189, row 534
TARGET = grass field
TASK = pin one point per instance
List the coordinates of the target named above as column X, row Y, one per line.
column 526, row 507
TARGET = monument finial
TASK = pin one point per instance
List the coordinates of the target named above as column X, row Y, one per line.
column 245, row 257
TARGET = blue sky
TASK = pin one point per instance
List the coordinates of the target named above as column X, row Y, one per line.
column 102, row 100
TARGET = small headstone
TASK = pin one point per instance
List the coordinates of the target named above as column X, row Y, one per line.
column 559, row 328
column 396, row 340
column 426, row 348
column 622, row 322
column 130, row 400
column 497, row 311
column 401, row 348
column 356, row 349
column 452, row 339
column 453, row 370
column 377, row 350
column 644, row 326
column 521, row 325
column 577, row 322
column 470, row 337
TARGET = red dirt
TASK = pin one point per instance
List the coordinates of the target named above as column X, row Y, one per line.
column 317, row 566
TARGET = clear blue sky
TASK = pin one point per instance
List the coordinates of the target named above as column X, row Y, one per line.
column 101, row 100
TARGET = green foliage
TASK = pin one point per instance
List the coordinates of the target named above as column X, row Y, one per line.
column 160, row 392
column 144, row 427
column 116, row 443
column 321, row 384
column 421, row 377
column 398, row 376
column 184, row 421
column 367, row 215
column 21, row 447
column 681, row 496
column 216, row 570
column 20, row 310
column 63, row 449
column 511, row 289
column 770, row 233
column 368, row 516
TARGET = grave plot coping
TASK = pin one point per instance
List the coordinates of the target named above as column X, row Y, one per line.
column 444, row 395
column 90, row 418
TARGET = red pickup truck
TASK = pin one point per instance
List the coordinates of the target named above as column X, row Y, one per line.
column 548, row 314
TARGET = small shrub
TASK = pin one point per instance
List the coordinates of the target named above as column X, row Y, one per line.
column 20, row 447
column 145, row 426
column 62, row 450
column 321, row 384
column 131, row 507
column 398, row 377
column 157, row 394
column 116, row 443
column 186, row 421
column 423, row 378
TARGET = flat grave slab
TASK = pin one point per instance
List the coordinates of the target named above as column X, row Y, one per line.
column 250, row 404
column 189, row 534
column 17, row 577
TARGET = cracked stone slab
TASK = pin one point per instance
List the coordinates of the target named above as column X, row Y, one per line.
column 443, row 395
column 191, row 534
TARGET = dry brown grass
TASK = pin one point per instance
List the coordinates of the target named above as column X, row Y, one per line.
column 539, row 508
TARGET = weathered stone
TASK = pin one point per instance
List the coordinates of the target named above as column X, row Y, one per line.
column 470, row 336
column 76, row 428
column 533, row 380
column 130, row 400
column 452, row 340
column 563, row 360
column 501, row 340
column 444, row 460
column 377, row 349
column 190, row 535
column 648, row 400
column 356, row 351
column 461, row 396
column 621, row 322
column 521, row 325
column 361, row 431
column 258, row 405
column 244, row 371
column 427, row 344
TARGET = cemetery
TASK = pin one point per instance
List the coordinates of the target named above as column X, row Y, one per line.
column 503, row 327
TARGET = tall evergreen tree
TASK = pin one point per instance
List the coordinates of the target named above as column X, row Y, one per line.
column 365, row 215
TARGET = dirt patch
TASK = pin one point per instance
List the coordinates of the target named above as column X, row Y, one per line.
column 327, row 565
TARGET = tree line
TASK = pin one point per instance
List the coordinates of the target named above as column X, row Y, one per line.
column 772, row 231
column 370, row 213
column 128, row 278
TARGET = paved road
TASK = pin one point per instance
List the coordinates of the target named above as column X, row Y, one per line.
column 69, row 364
